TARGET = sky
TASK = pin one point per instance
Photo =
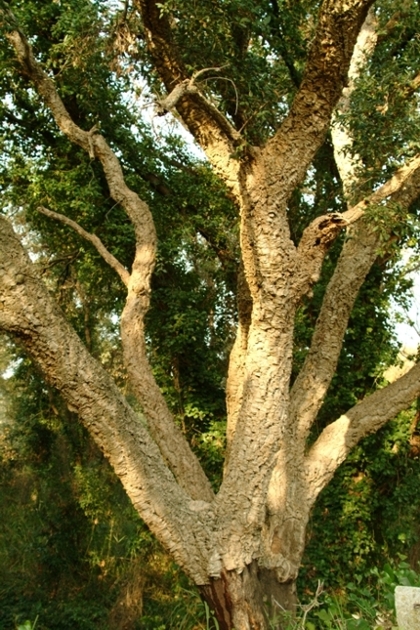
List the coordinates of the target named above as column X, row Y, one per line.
column 408, row 333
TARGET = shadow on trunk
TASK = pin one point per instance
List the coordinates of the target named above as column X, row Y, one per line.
column 252, row 600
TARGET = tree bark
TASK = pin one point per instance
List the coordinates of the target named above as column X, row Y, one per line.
column 251, row 600
column 31, row 316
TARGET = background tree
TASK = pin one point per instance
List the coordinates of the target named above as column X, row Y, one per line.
column 257, row 87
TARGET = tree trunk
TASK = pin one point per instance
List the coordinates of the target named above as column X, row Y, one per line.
column 251, row 600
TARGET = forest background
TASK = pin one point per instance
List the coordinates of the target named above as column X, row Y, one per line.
column 73, row 551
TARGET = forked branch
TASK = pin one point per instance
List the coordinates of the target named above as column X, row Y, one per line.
column 357, row 257
column 188, row 86
column 172, row 444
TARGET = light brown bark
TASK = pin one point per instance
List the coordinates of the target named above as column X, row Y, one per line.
column 339, row 437
column 168, row 436
column 358, row 254
column 29, row 314
column 357, row 257
column 244, row 546
column 348, row 164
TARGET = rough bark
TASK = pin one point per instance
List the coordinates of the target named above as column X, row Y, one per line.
column 235, row 379
column 357, row 257
column 168, row 436
column 29, row 314
column 244, row 546
column 358, row 254
column 339, row 437
column 267, row 519
column 250, row 600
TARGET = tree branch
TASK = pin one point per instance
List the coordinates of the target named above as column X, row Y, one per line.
column 173, row 445
column 349, row 164
column 316, row 240
column 286, row 157
column 92, row 238
column 402, row 180
column 356, row 259
column 33, row 319
column 358, row 255
column 188, row 86
column 318, row 237
column 304, row 129
column 310, row 387
column 338, row 438
column 208, row 125
column 91, row 141
column 274, row 276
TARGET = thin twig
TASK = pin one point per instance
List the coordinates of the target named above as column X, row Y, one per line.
column 92, row 238
column 234, row 87
column 198, row 73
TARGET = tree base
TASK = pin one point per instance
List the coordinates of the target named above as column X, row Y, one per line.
column 252, row 600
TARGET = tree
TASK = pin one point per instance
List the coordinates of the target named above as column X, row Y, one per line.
column 265, row 89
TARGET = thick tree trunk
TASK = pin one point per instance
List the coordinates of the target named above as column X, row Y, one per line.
column 251, row 600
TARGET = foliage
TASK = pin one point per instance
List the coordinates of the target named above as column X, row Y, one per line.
column 369, row 512
column 366, row 604
column 74, row 552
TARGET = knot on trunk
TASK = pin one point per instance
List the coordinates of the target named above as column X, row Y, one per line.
column 316, row 240
column 169, row 103
column 322, row 232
